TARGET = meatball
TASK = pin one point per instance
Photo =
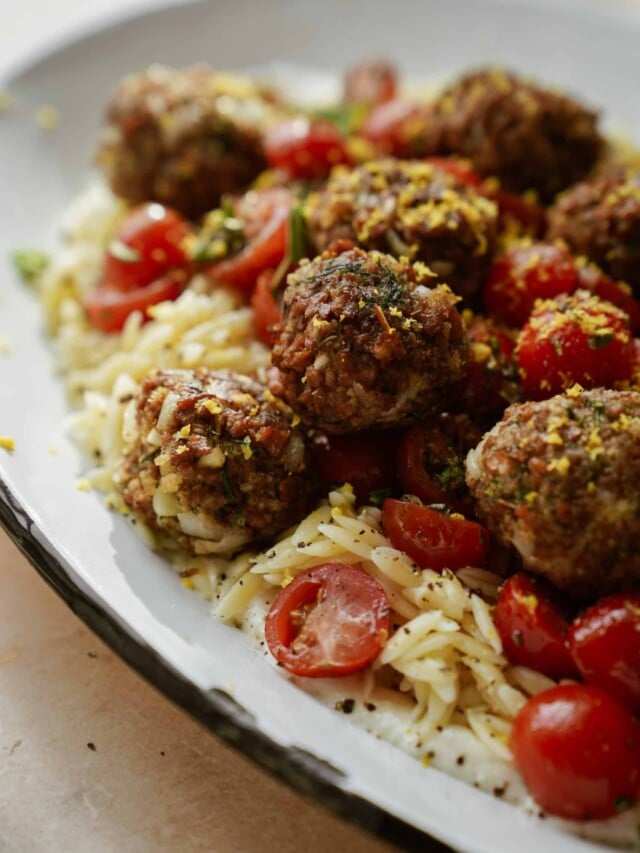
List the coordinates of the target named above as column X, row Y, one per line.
column 412, row 210
column 600, row 219
column 182, row 137
column 366, row 341
column 558, row 480
column 213, row 461
column 527, row 136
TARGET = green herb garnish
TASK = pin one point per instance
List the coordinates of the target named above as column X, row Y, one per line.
column 30, row 263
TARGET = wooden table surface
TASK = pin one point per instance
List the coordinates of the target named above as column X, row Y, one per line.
column 92, row 758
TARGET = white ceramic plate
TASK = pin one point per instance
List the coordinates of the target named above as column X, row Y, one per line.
column 92, row 558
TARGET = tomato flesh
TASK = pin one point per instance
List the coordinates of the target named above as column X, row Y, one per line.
column 365, row 460
column 150, row 241
column 573, row 339
column 432, row 539
column 304, row 148
column 266, row 313
column 605, row 643
column 330, row 621
column 533, row 628
column 578, row 751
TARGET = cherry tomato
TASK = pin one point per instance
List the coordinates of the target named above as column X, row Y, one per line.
column 397, row 128
column 619, row 294
column 366, row 460
column 266, row 313
column 330, row 621
column 149, row 243
column 459, row 168
column 578, row 751
column 430, row 460
column 373, row 82
column 303, row 147
column 265, row 215
column 533, row 628
column 605, row 643
column 108, row 308
column 571, row 339
column 526, row 273
column 514, row 208
column 492, row 376
column 432, row 539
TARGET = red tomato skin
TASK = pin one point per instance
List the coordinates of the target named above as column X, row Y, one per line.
column 304, row 148
column 266, row 313
column 373, row 82
column 365, row 460
column 594, row 280
column 578, row 751
column 157, row 234
column 526, row 273
column 432, row 539
column 556, row 347
column 531, row 216
column 397, row 128
column 459, row 168
column 107, row 308
column 267, row 226
column 605, row 643
column 533, row 628
column 347, row 603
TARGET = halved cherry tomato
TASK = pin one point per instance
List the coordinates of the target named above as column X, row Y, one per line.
column 330, row 621
column 373, row 82
column 432, row 539
column 304, row 147
column 266, row 313
column 533, row 628
column 578, row 751
column 365, row 460
column 265, row 216
column 108, row 308
column 430, row 460
column 593, row 279
column 605, row 644
column 571, row 339
column 149, row 243
column 525, row 273
column 397, row 128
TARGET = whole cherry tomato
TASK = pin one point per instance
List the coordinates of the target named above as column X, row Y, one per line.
column 532, row 627
column 266, row 313
column 373, row 82
column 365, row 460
column 149, row 243
column 571, row 339
column 108, row 308
column 605, row 644
column 330, row 621
column 304, row 147
column 619, row 294
column 397, row 128
column 525, row 273
column 432, row 539
column 578, row 751
column 265, row 216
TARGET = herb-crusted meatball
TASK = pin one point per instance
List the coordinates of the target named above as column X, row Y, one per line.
column 558, row 480
column 527, row 136
column 213, row 460
column 366, row 341
column 600, row 218
column 182, row 137
column 410, row 209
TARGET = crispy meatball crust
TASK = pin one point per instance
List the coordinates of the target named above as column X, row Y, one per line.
column 366, row 341
column 558, row 480
column 213, row 461
column 527, row 136
column 410, row 209
column 182, row 137
column 600, row 219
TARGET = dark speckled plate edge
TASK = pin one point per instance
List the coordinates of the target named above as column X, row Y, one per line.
column 216, row 710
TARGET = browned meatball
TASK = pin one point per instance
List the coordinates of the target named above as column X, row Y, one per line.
column 182, row 137
column 600, row 219
column 527, row 136
column 214, row 461
column 558, row 480
column 410, row 209
column 366, row 341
